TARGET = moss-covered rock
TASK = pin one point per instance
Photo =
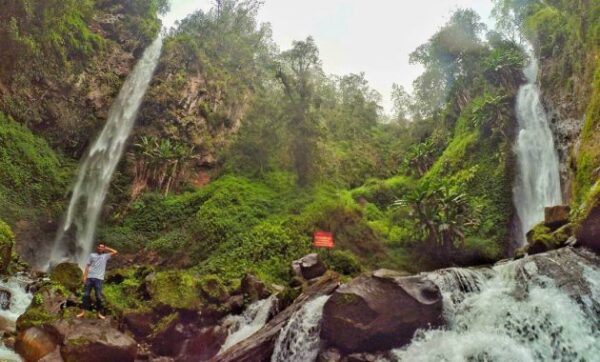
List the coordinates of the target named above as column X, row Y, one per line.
column 541, row 238
column 68, row 275
column 174, row 288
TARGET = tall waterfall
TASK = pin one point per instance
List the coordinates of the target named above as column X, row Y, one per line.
column 299, row 340
column 538, row 180
column 534, row 309
column 100, row 162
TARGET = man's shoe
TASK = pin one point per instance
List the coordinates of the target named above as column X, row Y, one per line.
column 80, row 315
column 100, row 316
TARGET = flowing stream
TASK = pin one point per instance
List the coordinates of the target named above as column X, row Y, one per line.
column 244, row 325
column 538, row 180
column 534, row 309
column 99, row 164
column 299, row 340
column 19, row 301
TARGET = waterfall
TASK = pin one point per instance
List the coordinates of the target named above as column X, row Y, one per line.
column 244, row 325
column 519, row 311
column 538, row 180
column 299, row 340
column 100, row 162
column 19, row 301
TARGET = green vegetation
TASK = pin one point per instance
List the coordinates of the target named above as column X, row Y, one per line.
column 34, row 178
column 287, row 149
column 7, row 245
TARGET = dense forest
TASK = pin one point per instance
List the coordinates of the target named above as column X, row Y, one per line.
column 241, row 150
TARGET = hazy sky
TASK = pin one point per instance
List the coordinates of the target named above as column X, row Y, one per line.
column 370, row 36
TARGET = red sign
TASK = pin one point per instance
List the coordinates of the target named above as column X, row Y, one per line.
column 323, row 239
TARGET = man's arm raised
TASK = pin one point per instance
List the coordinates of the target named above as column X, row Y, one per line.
column 112, row 251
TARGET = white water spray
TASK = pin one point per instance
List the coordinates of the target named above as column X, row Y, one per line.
column 514, row 312
column 19, row 301
column 243, row 326
column 100, row 162
column 299, row 340
column 538, row 180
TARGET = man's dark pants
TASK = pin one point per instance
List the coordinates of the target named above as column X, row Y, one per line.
column 96, row 284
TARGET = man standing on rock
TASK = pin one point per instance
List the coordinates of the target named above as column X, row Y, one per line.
column 93, row 277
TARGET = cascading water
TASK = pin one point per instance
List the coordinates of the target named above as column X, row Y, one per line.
column 538, row 179
column 19, row 301
column 244, row 325
column 101, row 160
column 299, row 340
column 542, row 309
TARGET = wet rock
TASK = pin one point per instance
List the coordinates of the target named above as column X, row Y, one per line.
column 309, row 266
column 35, row 343
column 235, row 304
column 588, row 233
column 7, row 325
column 53, row 357
column 5, row 296
column 253, row 288
column 259, row 346
column 168, row 340
column 380, row 312
column 94, row 341
column 330, row 355
column 140, row 324
column 361, row 357
column 556, row 216
column 67, row 274
column 203, row 346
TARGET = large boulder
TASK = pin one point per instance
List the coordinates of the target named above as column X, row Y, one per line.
column 588, row 232
column 94, row 341
column 309, row 267
column 67, row 274
column 556, row 216
column 35, row 343
column 380, row 311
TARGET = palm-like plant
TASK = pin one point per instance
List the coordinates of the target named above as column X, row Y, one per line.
column 160, row 164
column 443, row 212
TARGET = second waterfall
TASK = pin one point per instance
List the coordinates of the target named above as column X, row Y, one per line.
column 100, row 162
column 538, row 180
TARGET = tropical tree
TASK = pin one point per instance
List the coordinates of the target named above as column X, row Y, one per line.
column 298, row 72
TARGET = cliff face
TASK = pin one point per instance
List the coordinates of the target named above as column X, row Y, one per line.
column 61, row 65
column 566, row 35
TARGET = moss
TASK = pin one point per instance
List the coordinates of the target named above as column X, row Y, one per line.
column 7, row 243
column 588, row 158
column 212, row 288
column 68, row 275
column 175, row 288
column 33, row 177
column 542, row 238
column 164, row 322
column 34, row 317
